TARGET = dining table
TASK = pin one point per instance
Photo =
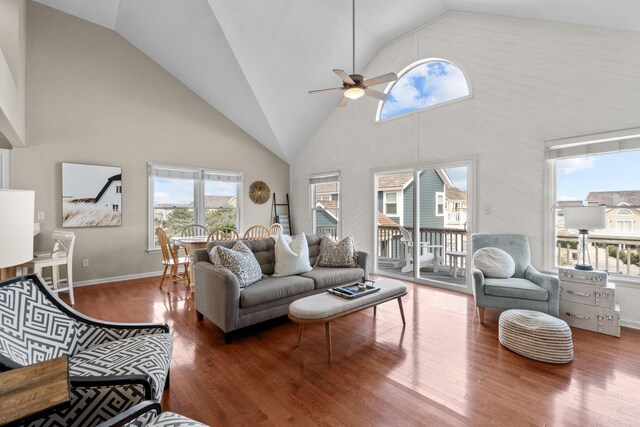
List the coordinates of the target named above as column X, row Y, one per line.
column 190, row 244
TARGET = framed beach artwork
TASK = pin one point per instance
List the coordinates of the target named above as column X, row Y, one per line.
column 91, row 195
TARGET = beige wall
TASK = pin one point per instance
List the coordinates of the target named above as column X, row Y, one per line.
column 531, row 81
column 12, row 72
column 94, row 98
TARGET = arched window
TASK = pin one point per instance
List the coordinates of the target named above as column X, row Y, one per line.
column 421, row 85
column 624, row 212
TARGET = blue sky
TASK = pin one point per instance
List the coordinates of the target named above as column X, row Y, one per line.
column 180, row 191
column 458, row 176
column 577, row 176
column 424, row 85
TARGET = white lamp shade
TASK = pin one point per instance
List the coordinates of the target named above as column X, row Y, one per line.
column 585, row 217
column 16, row 227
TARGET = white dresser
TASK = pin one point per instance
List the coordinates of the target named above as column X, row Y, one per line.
column 587, row 301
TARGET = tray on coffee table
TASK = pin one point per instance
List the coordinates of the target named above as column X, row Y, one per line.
column 353, row 290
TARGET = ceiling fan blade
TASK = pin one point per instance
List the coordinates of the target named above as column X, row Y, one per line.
column 374, row 93
column 344, row 76
column 385, row 78
column 325, row 90
column 343, row 101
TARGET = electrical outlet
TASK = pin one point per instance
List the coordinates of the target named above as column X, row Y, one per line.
column 40, row 216
column 85, row 263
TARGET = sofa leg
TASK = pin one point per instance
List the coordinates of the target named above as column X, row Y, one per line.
column 481, row 314
column 199, row 316
column 168, row 380
column 227, row 337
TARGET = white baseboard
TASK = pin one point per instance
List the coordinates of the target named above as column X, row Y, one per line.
column 633, row 324
column 117, row 278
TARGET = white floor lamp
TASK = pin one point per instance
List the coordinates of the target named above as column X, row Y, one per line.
column 583, row 219
column 16, row 230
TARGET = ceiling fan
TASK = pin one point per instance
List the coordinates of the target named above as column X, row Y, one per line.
column 354, row 85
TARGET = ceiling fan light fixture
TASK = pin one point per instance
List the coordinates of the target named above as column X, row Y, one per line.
column 354, row 92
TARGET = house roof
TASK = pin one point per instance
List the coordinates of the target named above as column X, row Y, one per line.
column 327, row 188
column 239, row 56
column 394, row 182
column 104, row 188
column 385, row 221
column 614, row 198
column 565, row 203
column 330, row 205
column 454, row 193
column 218, row 202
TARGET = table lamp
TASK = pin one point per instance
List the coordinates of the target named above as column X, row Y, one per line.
column 16, row 230
column 583, row 219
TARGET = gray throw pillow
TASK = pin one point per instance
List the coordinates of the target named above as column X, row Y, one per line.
column 241, row 262
column 337, row 254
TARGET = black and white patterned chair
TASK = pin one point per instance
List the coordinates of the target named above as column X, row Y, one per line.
column 149, row 414
column 112, row 366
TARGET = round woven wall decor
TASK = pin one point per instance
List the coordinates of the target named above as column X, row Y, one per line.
column 259, row 192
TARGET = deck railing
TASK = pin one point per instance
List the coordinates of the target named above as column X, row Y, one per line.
column 613, row 253
column 390, row 246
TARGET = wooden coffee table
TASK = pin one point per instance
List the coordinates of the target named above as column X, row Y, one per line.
column 325, row 307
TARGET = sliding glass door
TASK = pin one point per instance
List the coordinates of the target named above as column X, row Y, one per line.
column 422, row 223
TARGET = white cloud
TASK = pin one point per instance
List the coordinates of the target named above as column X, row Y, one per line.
column 434, row 88
column 567, row 166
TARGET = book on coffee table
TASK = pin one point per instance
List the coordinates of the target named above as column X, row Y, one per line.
column 354, row 290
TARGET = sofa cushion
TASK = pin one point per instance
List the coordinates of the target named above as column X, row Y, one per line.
column 494, row 262
column 292, row 256
column 145, row 354
column 273, row 289
column 337, row 254
column 325, row 277
column 515, row 288
column 241, row 262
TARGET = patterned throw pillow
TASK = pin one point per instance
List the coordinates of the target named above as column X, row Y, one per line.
column 241, row 262
column 337, row 254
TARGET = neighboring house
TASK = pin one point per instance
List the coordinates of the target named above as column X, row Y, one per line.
column 327, row 191
column 220, row 202
column 442, row 204
column 326, row 217
column 111, row 194
column 623, row 210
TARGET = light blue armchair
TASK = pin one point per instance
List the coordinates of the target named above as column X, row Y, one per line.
column 527, row 289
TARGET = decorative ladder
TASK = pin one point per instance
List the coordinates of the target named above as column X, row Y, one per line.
column 282, row 214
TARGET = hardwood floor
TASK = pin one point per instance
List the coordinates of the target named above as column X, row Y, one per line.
column 443, row 368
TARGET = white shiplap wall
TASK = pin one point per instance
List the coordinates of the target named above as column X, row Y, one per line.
column 531, row 81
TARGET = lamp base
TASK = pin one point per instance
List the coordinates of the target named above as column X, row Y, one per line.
column 584, row 267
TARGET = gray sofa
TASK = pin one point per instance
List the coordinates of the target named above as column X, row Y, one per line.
column 218, row 296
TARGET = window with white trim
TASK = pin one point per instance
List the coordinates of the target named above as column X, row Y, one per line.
column 325, row 212
column 440, row 203
column 391, row 203
column 591, row 171
column 180, row 196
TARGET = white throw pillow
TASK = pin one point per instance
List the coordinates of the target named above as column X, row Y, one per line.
column 292, row 256
column 494, row 262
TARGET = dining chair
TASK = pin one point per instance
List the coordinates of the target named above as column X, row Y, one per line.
column 194, row 230
column 61, row 254
column 275, row 229
column 171, row 261
column 223, row 233
column 256, row 232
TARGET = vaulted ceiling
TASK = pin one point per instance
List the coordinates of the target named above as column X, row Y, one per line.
column 255, row 60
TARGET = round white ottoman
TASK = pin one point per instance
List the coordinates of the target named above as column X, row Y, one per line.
column 536, row 335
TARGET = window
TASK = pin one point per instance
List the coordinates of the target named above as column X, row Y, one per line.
column 421, row 85
column 597, row 172
column 439, row 204
column 180, row 196
column 118, row 189
column 325, row 211
column 391, row 203
column 115, row 208
column 624, row 227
